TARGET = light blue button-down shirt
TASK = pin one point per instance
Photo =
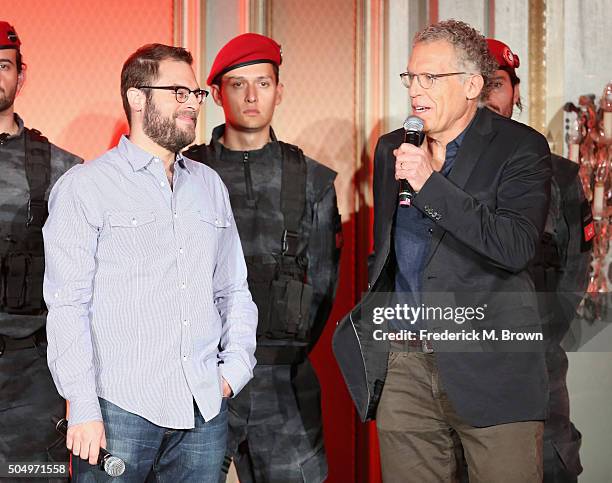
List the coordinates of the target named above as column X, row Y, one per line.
column 146, row 286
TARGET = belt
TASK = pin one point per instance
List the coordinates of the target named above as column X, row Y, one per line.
column 412, row 345
column 32, row 341
column 284, row 355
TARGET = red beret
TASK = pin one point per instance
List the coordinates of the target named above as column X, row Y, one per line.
column 8, row 36
column 505, row 58
column 246, row 49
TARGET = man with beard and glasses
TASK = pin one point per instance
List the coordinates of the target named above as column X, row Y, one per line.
column 30, row 166
column 151, row 324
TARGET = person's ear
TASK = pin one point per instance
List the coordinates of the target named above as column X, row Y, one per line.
column 473, row 87
column 280, row 89
column 215, row 91
column 516, row 95
column 136, row 99
column 21, row 77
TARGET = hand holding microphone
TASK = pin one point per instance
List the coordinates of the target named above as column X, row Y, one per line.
column 108, row 463
column 412, row 164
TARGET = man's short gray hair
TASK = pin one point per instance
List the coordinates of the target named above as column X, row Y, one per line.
column 471, row 47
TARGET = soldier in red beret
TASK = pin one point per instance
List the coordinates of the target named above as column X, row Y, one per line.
column 285, row 208
column 561, row 266
column 30, row 165
column 505, row 93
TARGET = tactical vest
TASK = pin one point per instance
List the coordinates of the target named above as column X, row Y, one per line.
column 554, row 251
column 280, row 289
column 23, row 266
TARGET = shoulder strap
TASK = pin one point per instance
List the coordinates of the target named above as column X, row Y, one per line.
column 38, row 174
column 200, row 153
column 293, row 195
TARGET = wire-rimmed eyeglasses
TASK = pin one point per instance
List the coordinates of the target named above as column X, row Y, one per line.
column 426, row 80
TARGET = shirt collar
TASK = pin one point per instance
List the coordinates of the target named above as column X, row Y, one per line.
column 20, row 127
column 139, row 158
column 459, row 139
column 220, row 130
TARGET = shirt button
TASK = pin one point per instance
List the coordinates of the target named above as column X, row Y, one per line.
column 180, row 250
column 175, row 214
column 183, row 285
column 430, row 230
column 161, row 183
column 184, row 358
column 134, row 221
column 216, row 221
column 186, row 323
column 156, row 160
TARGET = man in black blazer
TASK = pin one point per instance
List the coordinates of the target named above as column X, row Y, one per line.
column 481, row 185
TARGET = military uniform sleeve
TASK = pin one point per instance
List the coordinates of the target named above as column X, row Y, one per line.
column 323, row 259
column 574, row 277
column 61, row 161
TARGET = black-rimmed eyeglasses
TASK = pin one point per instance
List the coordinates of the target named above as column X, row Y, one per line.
column 426, row 80
column 181, row 93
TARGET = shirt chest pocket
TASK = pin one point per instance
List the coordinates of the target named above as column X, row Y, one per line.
column 211, row 226
column 134, row 234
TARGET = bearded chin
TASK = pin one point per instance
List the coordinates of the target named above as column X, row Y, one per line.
column 164, row 131
column 7, row 100
column 4, row 104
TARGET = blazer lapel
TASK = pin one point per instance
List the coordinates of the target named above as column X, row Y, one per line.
column 385, row 209
column 392, row 186
column 476, row 139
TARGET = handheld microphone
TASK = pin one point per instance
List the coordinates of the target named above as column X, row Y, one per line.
column 108, row 463
column 413, row 128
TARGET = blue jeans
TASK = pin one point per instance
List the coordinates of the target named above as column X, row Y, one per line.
column 171, row 455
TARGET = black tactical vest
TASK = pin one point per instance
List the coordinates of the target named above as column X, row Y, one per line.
column 277, row 281
column 22, row 267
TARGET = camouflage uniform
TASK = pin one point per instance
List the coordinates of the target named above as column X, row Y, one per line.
column 560, row 271
column 275, row 422
column 29, row 402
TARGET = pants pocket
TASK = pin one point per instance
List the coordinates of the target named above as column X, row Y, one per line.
column 568, row 453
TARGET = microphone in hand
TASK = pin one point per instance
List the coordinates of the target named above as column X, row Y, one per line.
column 413, row 129
column 111, row 465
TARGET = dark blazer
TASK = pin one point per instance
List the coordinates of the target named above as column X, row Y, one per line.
column 489, row 215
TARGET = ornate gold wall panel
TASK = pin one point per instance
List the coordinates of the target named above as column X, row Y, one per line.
column 537, row 64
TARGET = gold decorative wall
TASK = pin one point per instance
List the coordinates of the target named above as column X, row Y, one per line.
column 537, row 64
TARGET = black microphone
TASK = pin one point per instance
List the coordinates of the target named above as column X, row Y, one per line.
column 413, row 130
column 108, row 463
